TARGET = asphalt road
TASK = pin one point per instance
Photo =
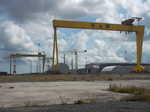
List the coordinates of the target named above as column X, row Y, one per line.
column 99, row 107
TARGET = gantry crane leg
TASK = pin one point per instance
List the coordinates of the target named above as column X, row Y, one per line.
column 139, row 45
column 55, row 52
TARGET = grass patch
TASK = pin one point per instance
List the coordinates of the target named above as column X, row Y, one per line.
column 139, row 93
column 142, row 97
column 127, row 89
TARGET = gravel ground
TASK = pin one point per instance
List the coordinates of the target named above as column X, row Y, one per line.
column 49, row 93
column 99, row 107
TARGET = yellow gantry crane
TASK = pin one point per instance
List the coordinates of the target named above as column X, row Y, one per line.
column 139, row 30
column 18, row 55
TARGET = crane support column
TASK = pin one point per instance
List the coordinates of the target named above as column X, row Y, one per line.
column 55, row 51
column 139, row 45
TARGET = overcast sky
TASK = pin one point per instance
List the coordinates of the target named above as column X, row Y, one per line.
column 25, row 23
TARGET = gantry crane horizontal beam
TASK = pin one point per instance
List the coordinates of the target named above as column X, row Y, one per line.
column 27, row 55
column 96, row 26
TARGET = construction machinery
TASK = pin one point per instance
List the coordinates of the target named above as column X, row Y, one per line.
column 131, row 20
column 139, row 30
column 18, row 55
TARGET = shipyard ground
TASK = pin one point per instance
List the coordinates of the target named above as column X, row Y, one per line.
column 41, row 93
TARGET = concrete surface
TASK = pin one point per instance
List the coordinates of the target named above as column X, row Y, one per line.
column 47, row 93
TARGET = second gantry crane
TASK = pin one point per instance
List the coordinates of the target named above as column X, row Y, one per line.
column 19, row 55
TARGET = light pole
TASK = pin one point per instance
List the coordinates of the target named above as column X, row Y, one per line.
column 76, row 57
column 31, row 66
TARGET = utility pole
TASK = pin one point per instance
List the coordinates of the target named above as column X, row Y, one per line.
column 64, row 58
column 10, row 64
column 39, row 64
column 37, row 67
column 72, row 63
column 31, row 66
column 76, row 59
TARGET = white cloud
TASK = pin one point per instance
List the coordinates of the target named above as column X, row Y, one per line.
column 14, row 37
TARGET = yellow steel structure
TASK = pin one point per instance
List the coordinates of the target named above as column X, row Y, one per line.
column 18, row 55
column 139, row 30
